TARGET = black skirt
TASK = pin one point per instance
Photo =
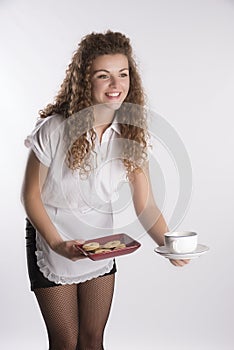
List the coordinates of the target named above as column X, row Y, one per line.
column 37, row 279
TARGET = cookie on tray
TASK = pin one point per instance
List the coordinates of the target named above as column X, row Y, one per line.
column 102, row 250
column 88, row 247
column 111, row 244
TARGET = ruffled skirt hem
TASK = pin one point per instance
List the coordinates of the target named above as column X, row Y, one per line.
column 53, row 277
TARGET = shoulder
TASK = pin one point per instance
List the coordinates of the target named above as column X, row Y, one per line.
column 52, row 121
column 45, row 130
column 140, row 176
column 52, row 125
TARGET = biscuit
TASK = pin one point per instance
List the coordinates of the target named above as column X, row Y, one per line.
column 103, row 250
column 90, row 246
column 120, row 246
column 111, row 244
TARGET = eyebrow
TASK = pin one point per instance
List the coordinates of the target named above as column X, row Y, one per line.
column 104, row 70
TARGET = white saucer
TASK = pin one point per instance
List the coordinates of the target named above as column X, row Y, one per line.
column 201, row 249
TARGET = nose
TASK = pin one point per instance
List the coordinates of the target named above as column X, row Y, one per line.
column 113, row 81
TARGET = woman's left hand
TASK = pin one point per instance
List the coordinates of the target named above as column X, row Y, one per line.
column 179, row 263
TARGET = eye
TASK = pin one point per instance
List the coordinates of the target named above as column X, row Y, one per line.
column 123, row 75
column 103, row 76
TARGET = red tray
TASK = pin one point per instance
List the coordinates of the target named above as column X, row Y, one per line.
column 131, row 246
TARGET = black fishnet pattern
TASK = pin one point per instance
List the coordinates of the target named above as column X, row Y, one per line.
column 95, row 297
column 76, row 315
column 60, row 312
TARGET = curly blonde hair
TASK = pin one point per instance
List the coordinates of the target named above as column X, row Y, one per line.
column 75, row 96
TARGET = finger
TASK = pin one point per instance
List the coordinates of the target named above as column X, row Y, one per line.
column 80, row 257
column 79, row 241
column 179, row 263
column 77, row 250
column 187, row 261
column 79, row 254
column 174, row 262
column 183, row 262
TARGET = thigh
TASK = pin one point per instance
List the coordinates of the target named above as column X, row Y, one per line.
column 37, row 280
column 60, row 312
column 95, row 298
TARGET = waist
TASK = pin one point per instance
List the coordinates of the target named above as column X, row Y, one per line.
column 72, row 224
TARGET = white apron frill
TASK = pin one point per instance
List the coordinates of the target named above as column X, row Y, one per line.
column 74, row 225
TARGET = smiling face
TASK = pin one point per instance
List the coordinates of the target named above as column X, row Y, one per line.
column 110, row 80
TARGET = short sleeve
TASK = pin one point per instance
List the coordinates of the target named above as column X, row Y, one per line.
column 40, row 141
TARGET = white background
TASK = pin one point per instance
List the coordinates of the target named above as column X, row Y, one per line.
column 186, row 57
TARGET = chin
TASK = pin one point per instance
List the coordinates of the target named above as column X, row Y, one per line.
column 113, row 105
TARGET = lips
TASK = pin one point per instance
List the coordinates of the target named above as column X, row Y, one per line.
column 113, row 94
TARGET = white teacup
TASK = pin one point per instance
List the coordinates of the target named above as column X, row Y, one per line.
column 181, row 242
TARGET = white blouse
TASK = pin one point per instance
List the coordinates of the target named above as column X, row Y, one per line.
column 79, row 208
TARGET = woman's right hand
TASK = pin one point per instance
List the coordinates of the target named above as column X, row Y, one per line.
column 69, row 250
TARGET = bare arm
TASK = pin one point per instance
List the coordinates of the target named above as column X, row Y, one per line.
column 147, row 211
column 35, row 175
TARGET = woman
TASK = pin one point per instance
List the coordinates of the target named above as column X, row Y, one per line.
column 87, row 141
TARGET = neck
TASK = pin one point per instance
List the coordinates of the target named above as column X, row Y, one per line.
column 103, row 116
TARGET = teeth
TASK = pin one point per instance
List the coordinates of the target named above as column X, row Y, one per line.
column 113, row 94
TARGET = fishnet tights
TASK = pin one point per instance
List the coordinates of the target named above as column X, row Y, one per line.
column 75, row 315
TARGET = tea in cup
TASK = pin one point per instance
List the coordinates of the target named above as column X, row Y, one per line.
column 180, row 242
